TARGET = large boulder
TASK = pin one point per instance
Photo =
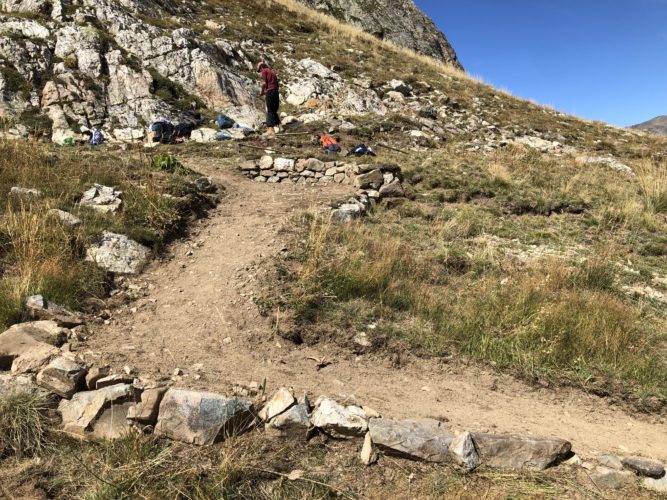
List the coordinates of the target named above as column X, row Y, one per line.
column 520, row 452
column 202, row 418
column 118, row 254
column 417, row 439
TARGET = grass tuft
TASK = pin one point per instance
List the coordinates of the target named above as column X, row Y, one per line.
column 24, row 423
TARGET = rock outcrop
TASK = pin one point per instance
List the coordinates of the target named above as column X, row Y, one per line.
column 399, row 21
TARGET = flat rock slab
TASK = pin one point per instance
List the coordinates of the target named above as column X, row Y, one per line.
column 81, row 413
column 62, row 377
column 333, row 417
column 644, row 467
column 417, row 439
column 33, row 360
column 43, row 309
column 118, row 254
column 202, row 418
column 520, row 452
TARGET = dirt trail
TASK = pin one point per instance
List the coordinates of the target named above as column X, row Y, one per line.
column 199, row 310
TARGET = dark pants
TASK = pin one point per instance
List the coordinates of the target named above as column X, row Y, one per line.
column 272, row 106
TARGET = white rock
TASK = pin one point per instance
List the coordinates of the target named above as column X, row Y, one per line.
column 118, row 254
column 462, row 451
column 331, row 416
column 281, row 401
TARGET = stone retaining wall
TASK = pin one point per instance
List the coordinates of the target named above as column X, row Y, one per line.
column 96, row 403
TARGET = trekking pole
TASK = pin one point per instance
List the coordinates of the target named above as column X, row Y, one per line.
column 383, row 145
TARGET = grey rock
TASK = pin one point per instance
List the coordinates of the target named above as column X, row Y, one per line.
column 202, row 418
column 26, row 192
column 41, row 308
column 34, row 359
column 398, row 21
column 62, row 377
column 611, row 479
column 644, row 467
column 65, row 217
column 392, row 190
column 373, row 179
column 11, row 384
column 520, row 452
column 610, row 461
column 335, row 418
column 81, row 414
column 292, row 421
column 102, row 198
column 283, row 164
column 346, row 213
column 463, row 452
column 608, row 161
column 417, row 439
column 118, row 254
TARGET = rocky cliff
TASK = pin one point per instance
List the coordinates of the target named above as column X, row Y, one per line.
column 657, row 125
column 399, row 21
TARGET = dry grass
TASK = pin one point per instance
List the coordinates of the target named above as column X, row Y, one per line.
column 24, row 424
column 652, row 178
column 39, row 254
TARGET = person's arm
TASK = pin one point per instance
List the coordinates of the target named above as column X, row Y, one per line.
column 263, row 90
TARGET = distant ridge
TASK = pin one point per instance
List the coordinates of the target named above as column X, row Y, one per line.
column 657, row 125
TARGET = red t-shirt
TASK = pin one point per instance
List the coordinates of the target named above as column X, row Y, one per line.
column 270, row 79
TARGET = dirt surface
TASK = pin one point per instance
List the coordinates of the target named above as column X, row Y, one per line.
column 198, row 316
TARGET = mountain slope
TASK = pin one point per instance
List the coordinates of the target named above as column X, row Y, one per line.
column 657, row 125
column 398, row 21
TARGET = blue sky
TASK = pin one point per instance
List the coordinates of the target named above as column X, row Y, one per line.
column 599, row 59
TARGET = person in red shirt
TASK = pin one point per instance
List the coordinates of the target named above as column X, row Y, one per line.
column 270, row 88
